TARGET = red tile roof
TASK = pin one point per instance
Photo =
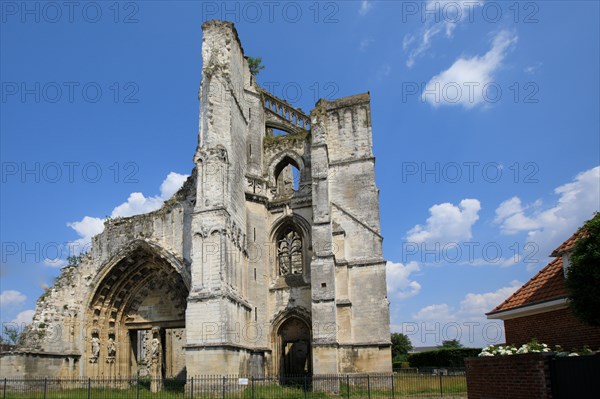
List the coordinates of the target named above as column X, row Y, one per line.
column 567, row 245
column 546, row 285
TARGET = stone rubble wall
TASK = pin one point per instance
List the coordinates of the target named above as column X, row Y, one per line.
column 219, row 231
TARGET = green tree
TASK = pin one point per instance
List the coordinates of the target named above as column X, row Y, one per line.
column 583, row 276
column 10, row 335
column 452, row 343
column 255, row 65
column 400, row 345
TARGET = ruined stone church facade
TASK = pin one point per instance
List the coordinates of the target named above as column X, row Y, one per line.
column 267, row 261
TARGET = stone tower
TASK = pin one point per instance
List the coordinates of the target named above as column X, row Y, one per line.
column 267, row 261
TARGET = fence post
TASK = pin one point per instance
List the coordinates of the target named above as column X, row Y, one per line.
column 192, row 393
column 45, row 386
column 4, row 390
column 348, row 386
column 441, row 389
column 305, row 385
column 252, row 384
column 89, row 388
column 393, row 385
column 224, row 387
column 369, row 385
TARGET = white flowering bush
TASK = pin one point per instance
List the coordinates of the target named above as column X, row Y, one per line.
column 531, row 347
column 498, row 350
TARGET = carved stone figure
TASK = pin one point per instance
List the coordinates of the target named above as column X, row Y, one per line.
column 155, row 350
column 95, row 349
column 111, row 350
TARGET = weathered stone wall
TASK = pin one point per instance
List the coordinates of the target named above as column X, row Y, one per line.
column 62, row 326
column 203, row 274
column 345, row 185
column 34, row 365
column 219, row 296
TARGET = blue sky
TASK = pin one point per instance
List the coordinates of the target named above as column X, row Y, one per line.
column 485, row 128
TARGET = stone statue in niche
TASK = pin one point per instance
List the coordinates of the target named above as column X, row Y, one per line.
column 111, row 350
column 155, row 350
column 95, row 349
column 156, row 361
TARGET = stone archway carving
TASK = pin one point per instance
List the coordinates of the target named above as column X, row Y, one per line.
column 141, row 290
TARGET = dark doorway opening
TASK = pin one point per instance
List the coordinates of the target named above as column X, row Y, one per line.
column 295, row 351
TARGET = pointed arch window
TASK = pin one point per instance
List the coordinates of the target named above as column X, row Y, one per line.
column 289, row 251
column 287, row 178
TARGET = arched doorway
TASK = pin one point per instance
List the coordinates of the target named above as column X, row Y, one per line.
column 294, row 339
column 136, row 317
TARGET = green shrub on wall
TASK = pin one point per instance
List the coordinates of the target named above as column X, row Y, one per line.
column 443, row 357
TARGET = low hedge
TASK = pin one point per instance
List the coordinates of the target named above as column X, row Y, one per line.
column 443, row 357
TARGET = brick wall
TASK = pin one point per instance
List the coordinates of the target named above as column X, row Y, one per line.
column 509, row 377
column 558, row 327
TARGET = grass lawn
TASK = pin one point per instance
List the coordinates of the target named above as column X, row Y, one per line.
column 405, row 386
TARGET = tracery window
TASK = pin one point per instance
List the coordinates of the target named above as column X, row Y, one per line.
column 289, row 252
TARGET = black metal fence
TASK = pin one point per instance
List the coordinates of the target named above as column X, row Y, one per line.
column 575, row 377
column 350, row 386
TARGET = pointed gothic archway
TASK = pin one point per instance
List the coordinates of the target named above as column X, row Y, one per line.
column 136, row 316
column 293, row 347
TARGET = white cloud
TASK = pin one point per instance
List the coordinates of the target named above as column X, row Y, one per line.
column 364, row 44
column 532, row 69
column 365, row 7
column 172, row 184
column 24, row 317
column 513, row 260
column 399, row 285
column 577, row 202
column 86, row 228
column 479, row 304
column 464, row 83
column 510, row 214
column 11, row 298
column 439, row 312
column 439, row 16
column 447, row 223
column 136, row 204
column 11, row 301
column 384, row 71
column 423, row 45
column 439, row 322
column 56, row 262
